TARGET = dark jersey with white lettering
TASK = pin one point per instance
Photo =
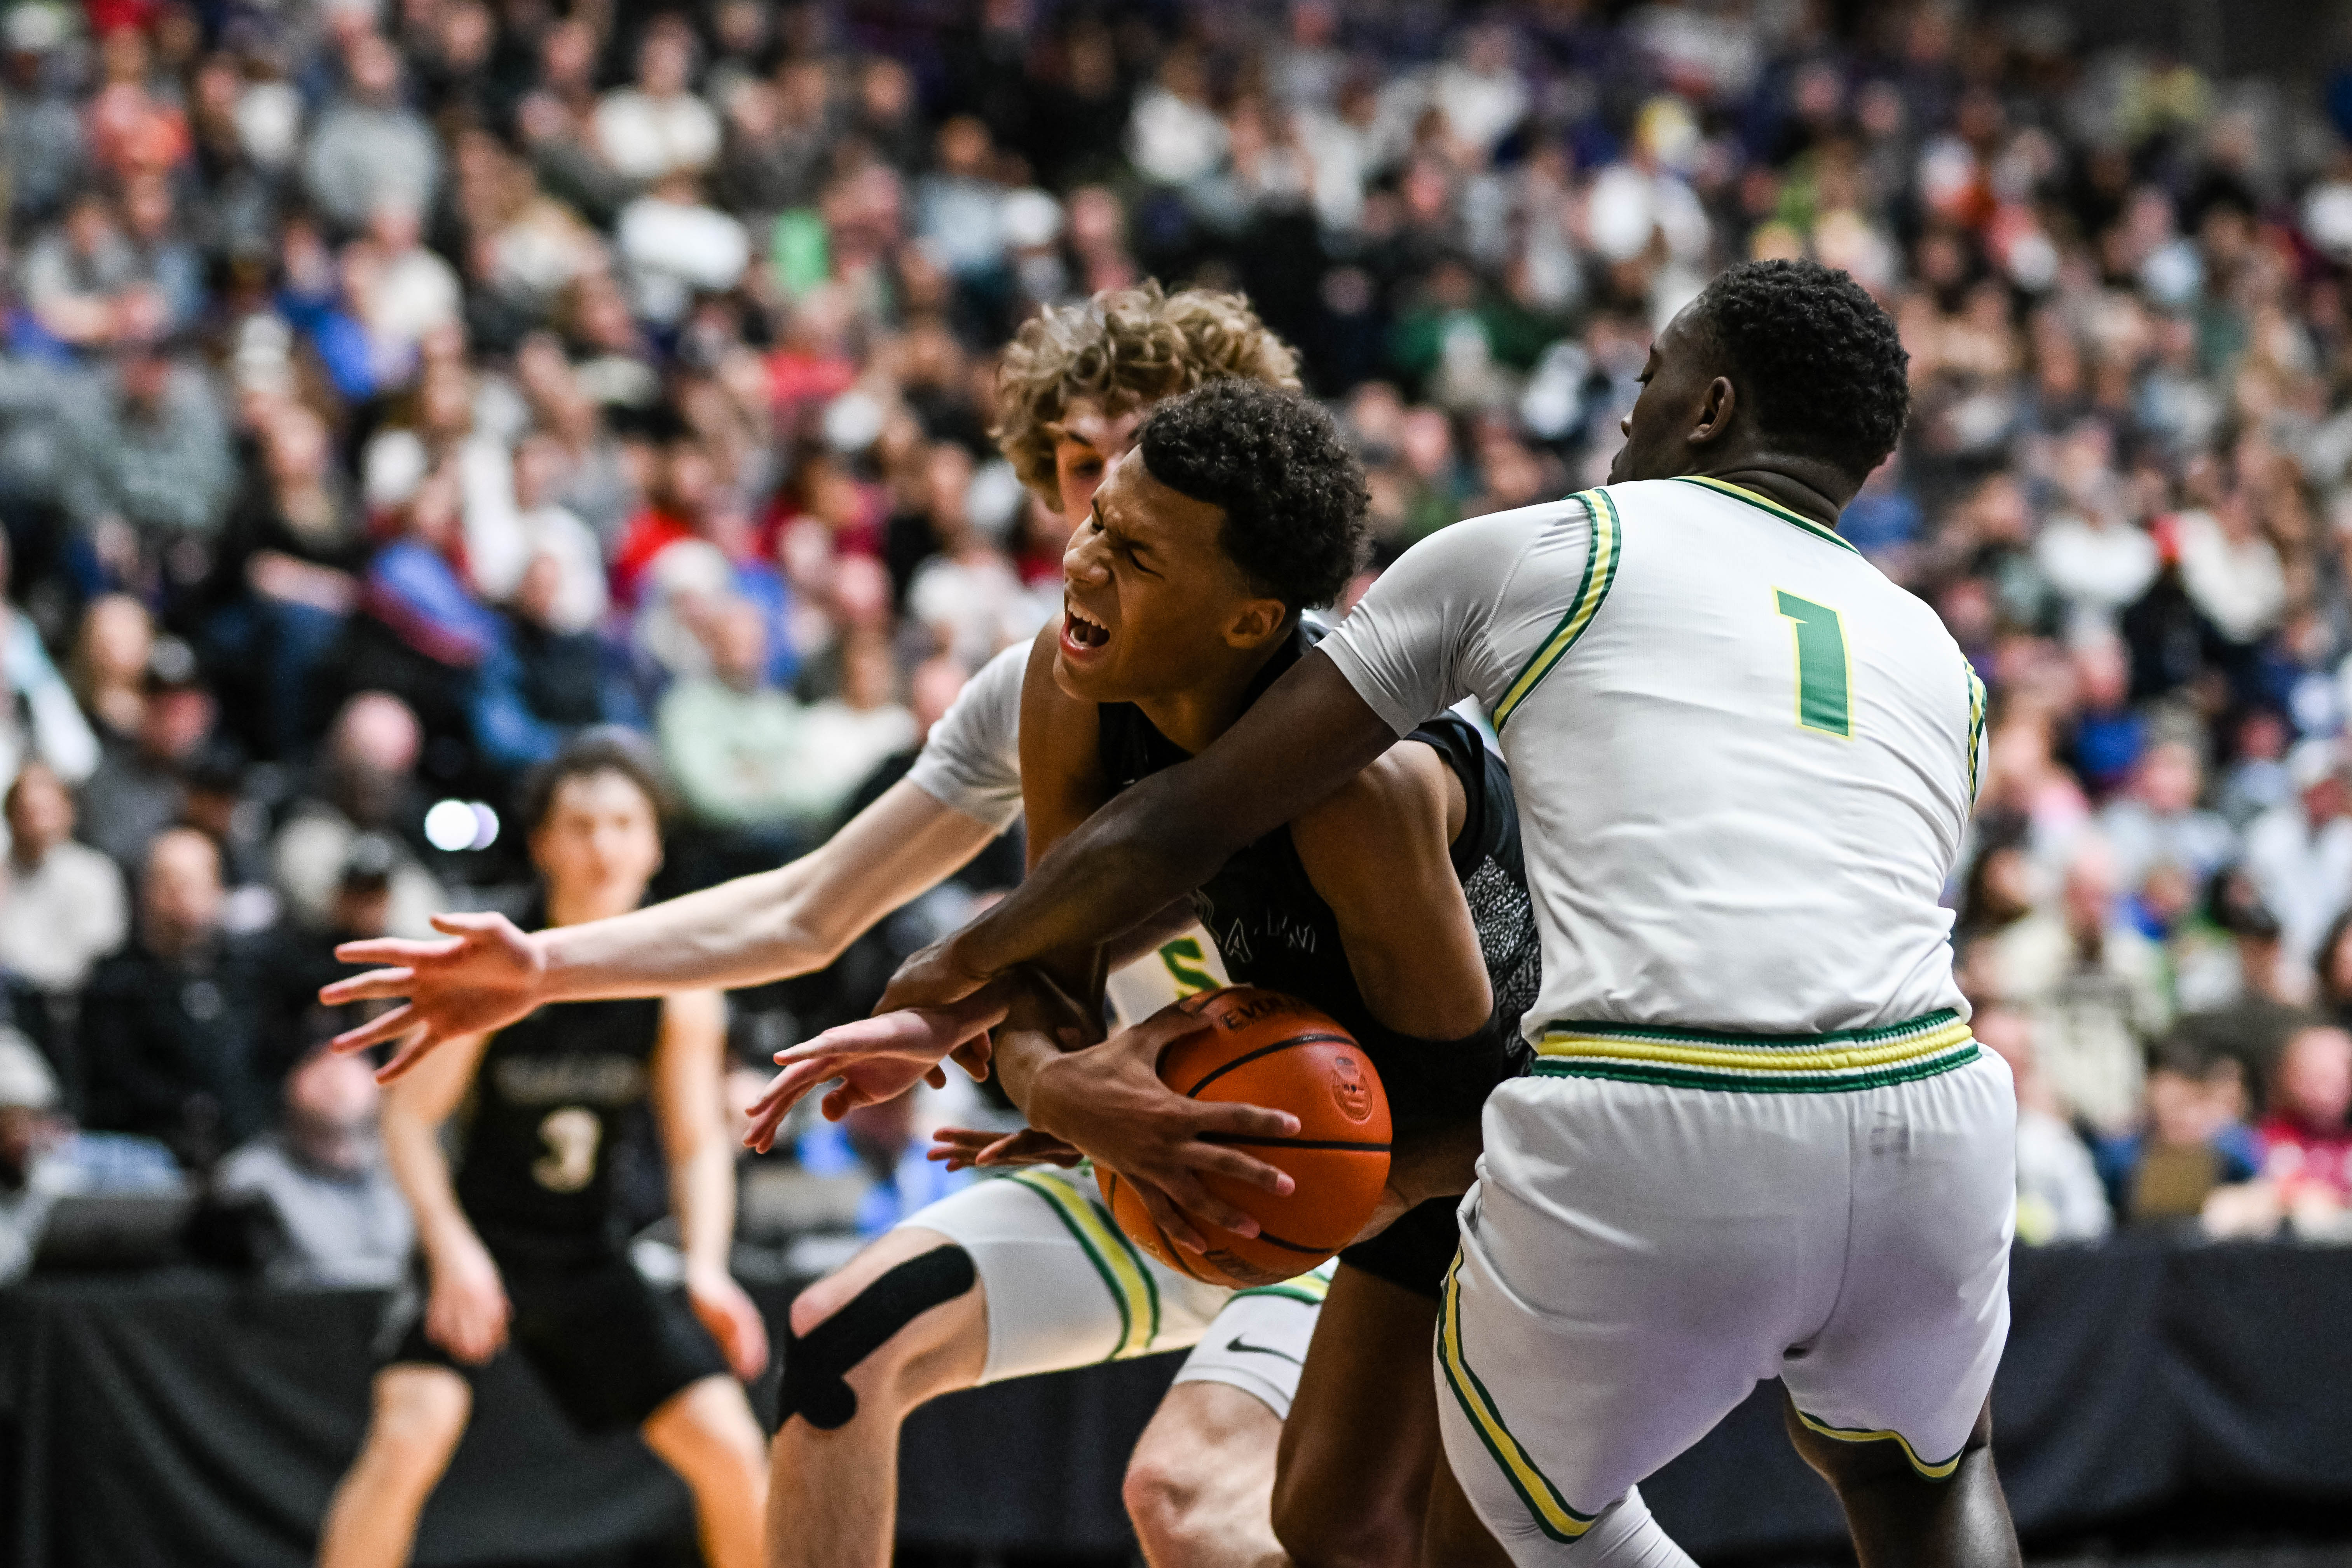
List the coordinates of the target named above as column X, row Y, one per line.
column 1273, row 929
column 550, row 1106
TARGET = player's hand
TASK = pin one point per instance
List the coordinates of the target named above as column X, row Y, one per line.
column 933, row 977
column 483, row 975
column 1109, row 1102
column 467, row 1310
column 961, row 1148
column 875, row 1059
column 733, row 1320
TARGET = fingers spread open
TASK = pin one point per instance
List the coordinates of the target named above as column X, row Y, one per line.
column 374, row 985
column 409, row 1055
column 375, row 1031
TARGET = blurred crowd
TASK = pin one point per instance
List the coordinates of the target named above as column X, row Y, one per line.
column 393, row 388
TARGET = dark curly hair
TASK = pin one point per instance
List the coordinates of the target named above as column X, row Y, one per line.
column 1828, row 373
column 1293, row 492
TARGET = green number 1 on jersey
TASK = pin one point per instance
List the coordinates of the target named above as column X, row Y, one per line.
column 1822, row 703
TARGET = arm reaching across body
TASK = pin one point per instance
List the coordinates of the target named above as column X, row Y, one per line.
column 1429, row 632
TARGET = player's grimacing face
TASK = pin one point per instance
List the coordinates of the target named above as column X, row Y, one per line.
column 1090, row 442
column 600, row 839
column 1146, row 590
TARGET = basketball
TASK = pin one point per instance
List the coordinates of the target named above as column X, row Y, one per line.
column 1262, row 1047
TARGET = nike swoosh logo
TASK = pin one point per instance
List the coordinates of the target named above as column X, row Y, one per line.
column 1243, row 1347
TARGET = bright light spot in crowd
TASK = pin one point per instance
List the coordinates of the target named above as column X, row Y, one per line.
column 486, row 825
column 450, row 826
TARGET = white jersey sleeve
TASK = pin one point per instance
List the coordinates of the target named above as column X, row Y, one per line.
column 1441, row 623
column 972, row 760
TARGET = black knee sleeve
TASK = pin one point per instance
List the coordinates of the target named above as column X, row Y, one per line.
column 816, row 1365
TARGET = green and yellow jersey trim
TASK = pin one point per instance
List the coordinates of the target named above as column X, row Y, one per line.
column 1934, row 1472
column 1736, row 492
column 1549, row 1510
column 1310, row 1287
column 1757, row 1064
column 1599, row 573
column 1115, row 1257
column 1976, row 728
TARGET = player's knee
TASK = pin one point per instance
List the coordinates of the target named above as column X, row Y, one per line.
column 419, row 1421
column 1162, row 1495
column 860, row 1336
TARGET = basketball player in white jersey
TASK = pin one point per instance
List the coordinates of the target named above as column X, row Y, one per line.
column 1047, row 1281
column 1760, row 1140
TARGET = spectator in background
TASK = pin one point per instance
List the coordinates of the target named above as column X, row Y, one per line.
column 2059, row 1195
column 43, row 1158
column 111, row 651
column 731, row 740
column 366, row 784
column 2194, row 1141
column 2160, row 823
column 41, row 721
column 287, row 575
column 659, row 127
column 150, row 464
column 173, row 1027
column 139, row 789
column 2094, row 988
column 80, row 281
column 2306, row 1140
column 879, row 1142
column 967, row 596
column 64, row 907
column 2299, row 853
column 845, row 737
column 321, row 1169
column 369, row 147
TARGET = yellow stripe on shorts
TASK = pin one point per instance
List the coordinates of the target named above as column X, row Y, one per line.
column 1856, row 1435
column 1550, row 1511
column 1600, row 572
column 1696, row 1058
column 1114, row 1256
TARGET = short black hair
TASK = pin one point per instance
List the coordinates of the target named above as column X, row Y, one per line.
column 1292, row 491
column 1822, row 360
column 605, row 749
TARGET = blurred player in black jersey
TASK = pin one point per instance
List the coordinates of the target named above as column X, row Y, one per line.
column 522, row 1240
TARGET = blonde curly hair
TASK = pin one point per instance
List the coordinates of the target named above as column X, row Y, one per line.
column 1122, row 349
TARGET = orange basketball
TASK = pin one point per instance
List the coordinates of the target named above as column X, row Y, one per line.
column 1262, row 1047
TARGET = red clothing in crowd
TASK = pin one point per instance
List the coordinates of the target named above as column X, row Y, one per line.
column 2293, row 1155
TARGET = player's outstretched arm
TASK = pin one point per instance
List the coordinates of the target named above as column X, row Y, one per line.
column 485, row 974
column 1165, row 836
column 688, row 1063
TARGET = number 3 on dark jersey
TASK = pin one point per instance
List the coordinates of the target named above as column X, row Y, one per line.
column 1824, row 671
column 570, row 1135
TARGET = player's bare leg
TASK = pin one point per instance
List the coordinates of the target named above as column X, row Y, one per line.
column 707, row 1433
column 1200, row 1486
column 1898, row 1516
column 419, row 1413
column 1362, row 1441
column 833, row 1497
column 1451, row 1535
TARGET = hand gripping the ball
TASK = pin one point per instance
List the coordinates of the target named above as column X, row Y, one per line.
column 1108, row 1101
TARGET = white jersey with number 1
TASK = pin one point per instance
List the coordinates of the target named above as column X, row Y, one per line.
column 1759, row 1140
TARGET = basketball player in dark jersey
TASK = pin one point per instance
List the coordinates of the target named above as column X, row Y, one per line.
column 1398, row 906
column 523, row 1239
